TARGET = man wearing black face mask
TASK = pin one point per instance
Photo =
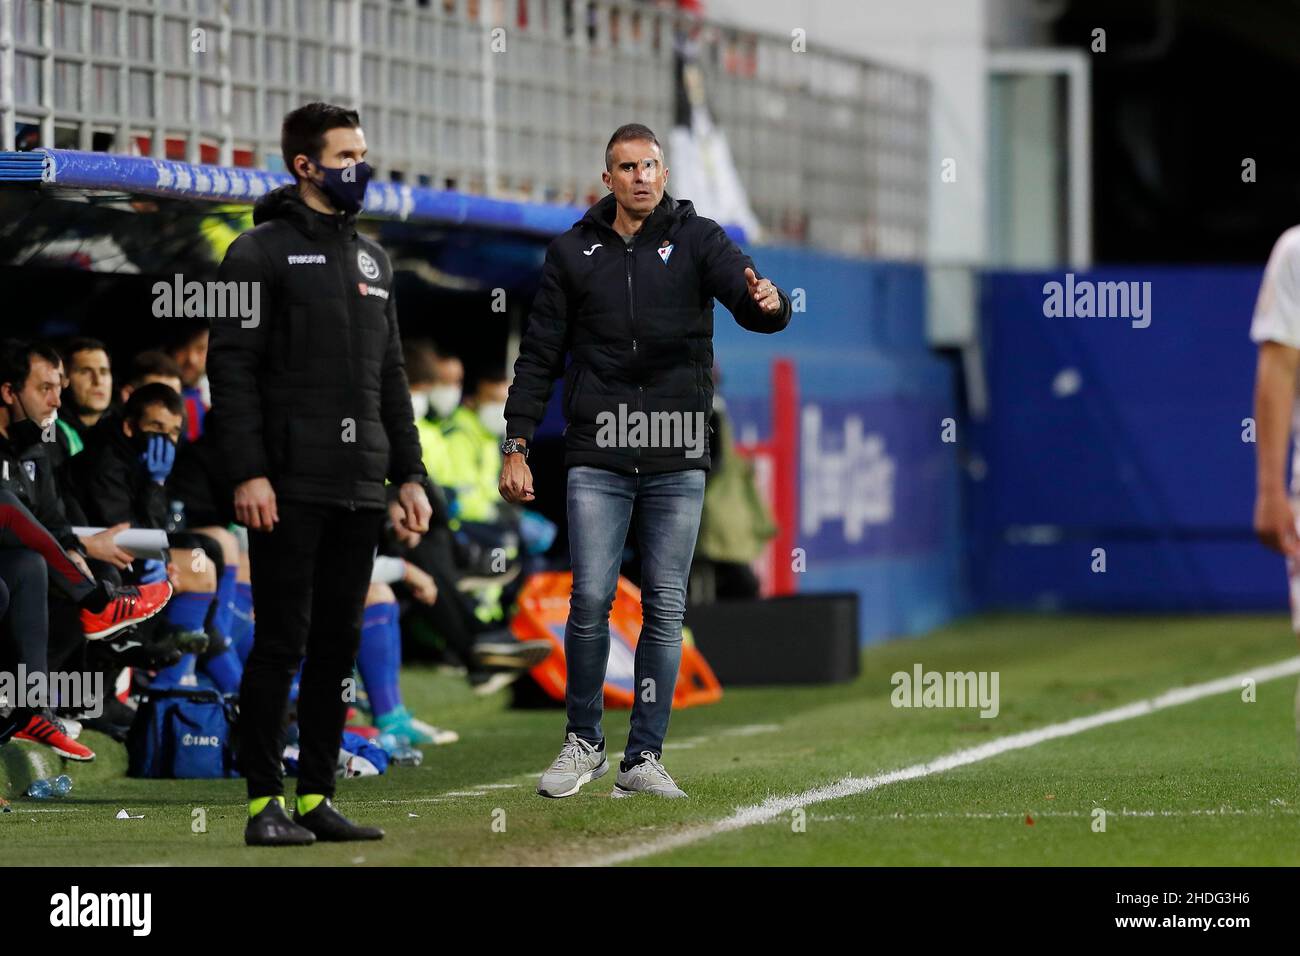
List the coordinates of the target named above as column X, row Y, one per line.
column 119, row 477
column 311, row 414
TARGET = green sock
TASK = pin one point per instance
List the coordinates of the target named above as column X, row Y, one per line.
column 307, row 802
column 257, row 806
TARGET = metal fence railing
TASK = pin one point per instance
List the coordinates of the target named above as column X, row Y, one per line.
column 509, row 98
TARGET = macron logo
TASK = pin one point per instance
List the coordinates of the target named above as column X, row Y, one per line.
column 588, row 252
column 75, row 909
column 316, row 259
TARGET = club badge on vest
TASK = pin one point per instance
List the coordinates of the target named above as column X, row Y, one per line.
column 665, row 251
column 368, row 266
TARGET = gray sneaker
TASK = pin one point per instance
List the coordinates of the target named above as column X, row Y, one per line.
column 649, row 776
column 578, row 763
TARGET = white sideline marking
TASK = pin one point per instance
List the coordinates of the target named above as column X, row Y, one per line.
column 749, row 730
column 15, row 810
column 850, row 786
column 744, row 730
column 1050, row 814
column 398, row 803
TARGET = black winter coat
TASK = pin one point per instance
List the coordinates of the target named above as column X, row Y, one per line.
column 638, row 324
column 27, row 472
column 314, row 397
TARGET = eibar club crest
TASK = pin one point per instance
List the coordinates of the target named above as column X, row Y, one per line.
column 665, row 251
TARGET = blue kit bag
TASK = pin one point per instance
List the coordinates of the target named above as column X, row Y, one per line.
column 182, row 733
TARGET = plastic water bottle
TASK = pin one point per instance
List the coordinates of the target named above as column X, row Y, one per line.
column 62, row 785
column 406, row 757
column 40, row 790
column 399, row 750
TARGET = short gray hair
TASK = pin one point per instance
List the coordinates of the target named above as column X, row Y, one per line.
column 626, row 133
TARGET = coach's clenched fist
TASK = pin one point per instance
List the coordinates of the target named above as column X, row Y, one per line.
column 516, row 484
column 416, row 510
column 255, row 504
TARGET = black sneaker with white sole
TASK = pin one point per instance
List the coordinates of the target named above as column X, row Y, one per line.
column 486, row 682
column 501, row 649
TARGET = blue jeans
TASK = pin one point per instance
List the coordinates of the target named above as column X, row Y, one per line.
column 600, row 509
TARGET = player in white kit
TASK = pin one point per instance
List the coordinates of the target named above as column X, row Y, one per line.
column 1275, row 328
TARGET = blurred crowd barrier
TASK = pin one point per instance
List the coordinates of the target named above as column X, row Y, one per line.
column 506, row 98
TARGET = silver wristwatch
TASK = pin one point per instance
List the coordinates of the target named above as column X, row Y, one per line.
column 512, row 445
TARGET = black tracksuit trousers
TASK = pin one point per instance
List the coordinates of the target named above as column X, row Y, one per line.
column 310, row 577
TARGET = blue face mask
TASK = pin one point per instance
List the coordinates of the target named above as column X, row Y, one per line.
column 345, row 186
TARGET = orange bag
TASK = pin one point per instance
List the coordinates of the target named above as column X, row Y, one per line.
column 543, row 612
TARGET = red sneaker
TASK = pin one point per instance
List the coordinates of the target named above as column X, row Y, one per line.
column 127, row 606
column 43, row 731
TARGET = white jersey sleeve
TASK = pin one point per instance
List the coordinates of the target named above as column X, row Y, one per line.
column 1277, row 310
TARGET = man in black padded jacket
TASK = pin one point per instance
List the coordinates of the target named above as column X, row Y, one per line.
column 312, row 415
column 627, row 298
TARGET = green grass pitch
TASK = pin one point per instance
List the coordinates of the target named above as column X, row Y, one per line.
column 1210, row 782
